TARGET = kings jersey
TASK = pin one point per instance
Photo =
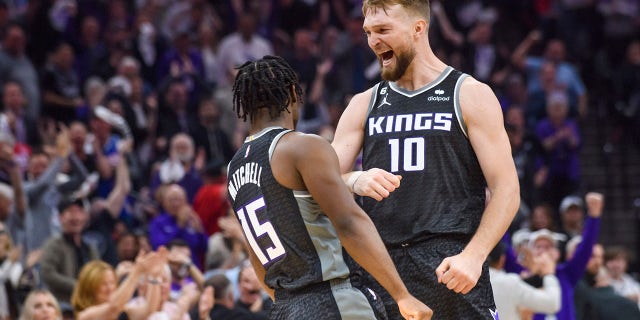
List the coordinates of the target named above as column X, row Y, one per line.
column 421, row 136
column 293, row 239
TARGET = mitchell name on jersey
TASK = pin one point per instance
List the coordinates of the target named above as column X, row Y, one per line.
column 250, row 172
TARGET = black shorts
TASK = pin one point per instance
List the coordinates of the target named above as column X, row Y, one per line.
column 416, row 264
column 335, row 299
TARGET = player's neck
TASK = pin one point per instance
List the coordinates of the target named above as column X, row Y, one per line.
column 263, row 121
column 424, row 68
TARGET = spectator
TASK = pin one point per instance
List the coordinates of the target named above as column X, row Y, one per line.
column 180, row 167
column 561, row 141
column 97, row 294
column 42, row 193
column 162, row 306
column 148, row 46
column 14, row 64
column 178, row 221
column 208, row 41
column 64, row 255
column 512, row 294
column 106, row 212
column 104, row 146
column 525, row 148
column 252, row 297
column 572, row 270
column 616, row 261
column 90, row 48
column 183, row 271
column 174, row 114
column 10, row 271
column 554, row 52
column 61, row 97
column 23, row 128
column 41, row 305
column 238, row 47
column 226, row 248
column 223, row 307
column 209, row 135
column 595, row 298
column 626, row 88
column 211, row 201
column 127, row 247
column 572, row 216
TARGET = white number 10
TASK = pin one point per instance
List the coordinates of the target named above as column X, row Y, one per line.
column 275, row 251
column 408, row 163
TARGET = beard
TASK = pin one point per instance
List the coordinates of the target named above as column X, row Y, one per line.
column 403, row 60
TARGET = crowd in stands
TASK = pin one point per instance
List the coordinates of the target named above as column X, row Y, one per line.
column 116, row 125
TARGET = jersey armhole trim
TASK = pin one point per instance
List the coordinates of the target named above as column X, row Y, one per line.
column 274, row 142
column 456, row 104
column 372, row 101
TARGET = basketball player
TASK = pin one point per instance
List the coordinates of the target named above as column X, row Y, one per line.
column 442, row 133
column 296, row 212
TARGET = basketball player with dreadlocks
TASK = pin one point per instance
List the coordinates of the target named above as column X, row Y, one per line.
column 297, row 214
column 440, row 133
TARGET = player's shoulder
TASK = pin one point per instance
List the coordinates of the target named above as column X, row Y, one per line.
column 300, row 141
column 474, row 92
column 363, row 98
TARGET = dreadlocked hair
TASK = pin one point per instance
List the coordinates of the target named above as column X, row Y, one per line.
column 265, row 83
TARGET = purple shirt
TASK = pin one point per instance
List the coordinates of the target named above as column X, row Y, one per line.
column 164, row 228
column 563, row 160
column 571, row 271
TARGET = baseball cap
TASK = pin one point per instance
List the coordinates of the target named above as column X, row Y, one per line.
column 545, row 234
column 68, row 202
column 570, row 201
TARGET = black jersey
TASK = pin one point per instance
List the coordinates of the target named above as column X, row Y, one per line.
column 421, row 136
column 294, row 240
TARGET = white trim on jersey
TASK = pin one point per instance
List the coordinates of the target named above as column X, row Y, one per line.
column 456, row 104
column 430, row 85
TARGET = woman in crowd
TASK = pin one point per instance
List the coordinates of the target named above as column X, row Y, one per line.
column 41, row 305
column 97, row 295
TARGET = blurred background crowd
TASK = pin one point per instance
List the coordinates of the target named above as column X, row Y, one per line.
column 116, row 126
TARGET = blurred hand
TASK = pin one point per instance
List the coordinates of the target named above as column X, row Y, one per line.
column 376, row 183
column 146, row 261
column 178, row 258
column 123, row 268
column 535, row 35
column 231, row 227
column 63, row 142
column 595, row 203
column 545, row 264
column 207, row 300
column 14, row 254
column 33, row 257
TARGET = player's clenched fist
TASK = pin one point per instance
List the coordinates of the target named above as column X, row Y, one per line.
column 412, row 309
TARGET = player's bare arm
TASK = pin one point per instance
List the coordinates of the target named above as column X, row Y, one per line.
column 483, row 117
column 375, row 183
column 318, row 172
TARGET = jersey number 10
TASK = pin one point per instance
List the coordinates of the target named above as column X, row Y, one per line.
column 412, row 157
column 252, row 226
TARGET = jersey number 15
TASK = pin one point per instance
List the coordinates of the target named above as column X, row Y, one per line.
column 253, row 226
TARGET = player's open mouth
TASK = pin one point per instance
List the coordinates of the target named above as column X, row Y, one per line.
column 386, row 57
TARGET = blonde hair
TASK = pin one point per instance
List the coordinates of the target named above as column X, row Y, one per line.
column 418, row 7
column 89, row 281
column 29, row 304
